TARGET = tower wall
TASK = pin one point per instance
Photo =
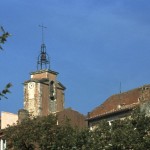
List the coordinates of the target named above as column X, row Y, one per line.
column 45, row 99
column 44, row 74
column 60, row 100
column 43, row 94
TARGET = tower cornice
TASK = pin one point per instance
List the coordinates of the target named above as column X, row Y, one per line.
column 43, row 71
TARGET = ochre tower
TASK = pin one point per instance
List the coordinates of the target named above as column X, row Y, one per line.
column 43, row 94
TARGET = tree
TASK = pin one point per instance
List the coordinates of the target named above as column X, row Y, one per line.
column 3, row 39
column 132, row 132
column 5, row 91
column 43, row 133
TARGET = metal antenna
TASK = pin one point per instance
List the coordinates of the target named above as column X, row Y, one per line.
column 120, row 87
column 41, row 26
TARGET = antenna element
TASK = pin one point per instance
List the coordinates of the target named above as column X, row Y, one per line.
column 41, row 26
column 120, row 88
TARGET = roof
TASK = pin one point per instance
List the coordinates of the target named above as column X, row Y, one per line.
column 46, row 81
column 117, row 103
column 75, row 118
column 60, row 85
column 43, row 80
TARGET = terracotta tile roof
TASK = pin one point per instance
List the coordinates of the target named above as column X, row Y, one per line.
column 117, row 103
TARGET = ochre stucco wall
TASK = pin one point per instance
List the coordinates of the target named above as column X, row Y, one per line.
column 8, row 119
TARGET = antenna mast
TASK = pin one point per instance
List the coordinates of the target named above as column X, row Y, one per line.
column 41, row 26
column 120, row 88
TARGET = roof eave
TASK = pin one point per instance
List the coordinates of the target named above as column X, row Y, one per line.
column 109, row 114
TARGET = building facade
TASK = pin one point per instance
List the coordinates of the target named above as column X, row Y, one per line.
column 121, row 105
column 5, row 120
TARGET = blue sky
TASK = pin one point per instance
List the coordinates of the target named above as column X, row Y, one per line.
column 93, row 44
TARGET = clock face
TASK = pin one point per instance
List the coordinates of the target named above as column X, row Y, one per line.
column 31, row 90
column 31, row 85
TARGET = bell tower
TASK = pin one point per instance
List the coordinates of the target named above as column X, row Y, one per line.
column 43, row 59
column 43, row 93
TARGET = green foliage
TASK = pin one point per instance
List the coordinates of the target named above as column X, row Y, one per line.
column 5, row 91
column 43, row 133
column 3, row 36
column 131, row 133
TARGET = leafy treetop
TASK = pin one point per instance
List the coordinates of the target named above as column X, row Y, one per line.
column 3, row 39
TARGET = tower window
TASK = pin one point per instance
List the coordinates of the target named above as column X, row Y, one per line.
column 52, row 90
